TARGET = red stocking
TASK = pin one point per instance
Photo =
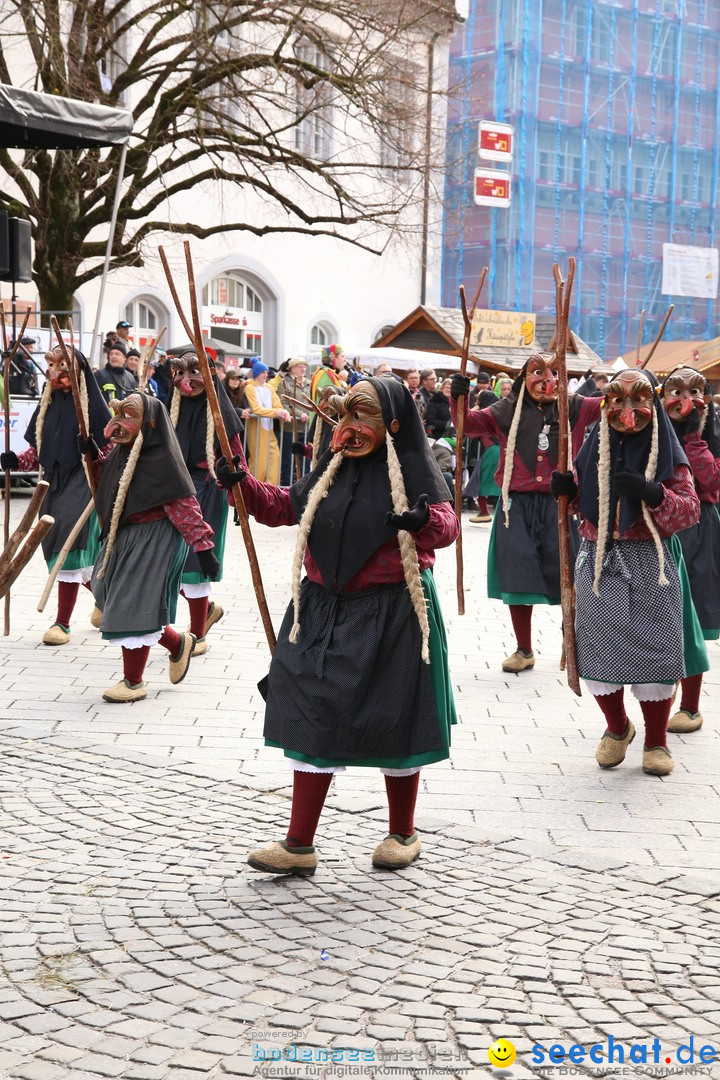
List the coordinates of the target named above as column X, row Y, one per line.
column 691, row 688
column 198, row 614
column 613, row 708
column 134, row 661
column 521, row 615
column 402, row 795
column 170, row 640
column 67, row 595
column 309, row 791
column 656, row 715
column 482, row 505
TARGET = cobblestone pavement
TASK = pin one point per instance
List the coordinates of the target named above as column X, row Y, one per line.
column 554, row 903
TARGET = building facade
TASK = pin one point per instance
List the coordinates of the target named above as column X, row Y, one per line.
column 615, row 109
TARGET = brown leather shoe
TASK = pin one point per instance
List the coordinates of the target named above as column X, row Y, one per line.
column 519, row 661
column 657, row 761
column 280, row 858
column 683, row 721
column 611, row 749
column 396, row 852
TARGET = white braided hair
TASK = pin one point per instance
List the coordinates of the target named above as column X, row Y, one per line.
column 408, row 551
column 650, row 470
column 42, row 412
column 123, row 488
column 175, row 404
column 510, row 456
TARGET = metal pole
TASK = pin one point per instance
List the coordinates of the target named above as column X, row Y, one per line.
column 108, row 250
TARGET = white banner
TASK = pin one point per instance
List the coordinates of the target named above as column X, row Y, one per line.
column 690, row 271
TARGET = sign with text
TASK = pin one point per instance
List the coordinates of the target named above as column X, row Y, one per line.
column 509, row 329
column 495, row 141
column 492, row 188
column 690, row 271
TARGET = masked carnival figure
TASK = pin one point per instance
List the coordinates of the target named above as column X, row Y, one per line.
column 149, row 517
column 359, row 675
column 523, row 557
column 53, row 437
column 192, row 420
column 634, row 490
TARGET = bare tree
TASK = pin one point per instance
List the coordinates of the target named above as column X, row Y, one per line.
column 316, row 106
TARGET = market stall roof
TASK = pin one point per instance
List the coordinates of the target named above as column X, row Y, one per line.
column 33, row 121
column 701, row 355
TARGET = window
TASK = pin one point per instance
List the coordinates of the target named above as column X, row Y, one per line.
column 313, row 107
column 319, row 336
column 225, row 292
column 254, row 343
column 577, row 37
column 399, row 135
column 253, row 302
column 145, row 319
column 112, row 57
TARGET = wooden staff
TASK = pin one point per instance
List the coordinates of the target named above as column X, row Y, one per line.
column 64, row 552
column 658, row 339
column 640, row 337
column 459, row 432
column 75, row 387
column 562, row 308
column 298, row 466
column 23, row 528
column 10, row 356
column 16, row 567
column 145, row 358
column 194, row 332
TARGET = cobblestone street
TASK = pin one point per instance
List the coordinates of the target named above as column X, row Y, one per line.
column 553, row 904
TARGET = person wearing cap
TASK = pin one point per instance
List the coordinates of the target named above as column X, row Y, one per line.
column 114, row 380
column 23, row 378
column 122, row 329
column 265, row 406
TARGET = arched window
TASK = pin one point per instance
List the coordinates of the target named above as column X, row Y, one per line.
column 322, row 334
column 233, row 312
column 146, row 317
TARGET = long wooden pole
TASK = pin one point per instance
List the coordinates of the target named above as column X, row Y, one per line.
column 641, row 327
column 16, row 567
column 64, row 552
column 562, row 307
column 194, row 332
column 296, row 457
column 658, row 339
column 9, row 357
column 14, row 542
column 459, row 433
column 77, row 401
column 145, row 359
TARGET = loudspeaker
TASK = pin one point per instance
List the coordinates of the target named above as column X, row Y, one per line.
column 20, row 250
column 4, row 245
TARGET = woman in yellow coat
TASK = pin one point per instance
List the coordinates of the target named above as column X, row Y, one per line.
column 263, row 451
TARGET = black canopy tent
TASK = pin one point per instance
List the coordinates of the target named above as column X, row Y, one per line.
column 34, row 121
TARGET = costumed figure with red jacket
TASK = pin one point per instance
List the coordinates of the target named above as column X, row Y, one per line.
column 53, row 434
column 359, row 674
column 149, row 517
column 192, row 420
column 634, row 490
column 688, row 402
column 523, row 556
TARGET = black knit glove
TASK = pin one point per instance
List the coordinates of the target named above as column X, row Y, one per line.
column 459, row 386
column 635, row 486
column 563, row 483
column 226, row 476
column 412, row 520
column 9, row 461
column 208, row 564
column 88, row 446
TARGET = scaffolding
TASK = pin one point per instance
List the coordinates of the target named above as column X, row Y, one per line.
column 616, row 113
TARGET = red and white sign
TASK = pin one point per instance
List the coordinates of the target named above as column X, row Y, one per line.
column 495, row 141
column 492, row 188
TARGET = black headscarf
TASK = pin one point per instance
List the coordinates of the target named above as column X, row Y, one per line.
column 627, row 453
column 707, row 432
column 534, row 417
column 160, row 475
column 60, row 431
column 191, row 428
column 349, row 525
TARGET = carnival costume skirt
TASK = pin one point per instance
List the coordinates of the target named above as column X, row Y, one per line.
column 701, row 549
column 138, row 592
column 633, row 631
column 67, row 497
column 488, row 468
column 354, row 689
column 524, row 559
column 214, row 508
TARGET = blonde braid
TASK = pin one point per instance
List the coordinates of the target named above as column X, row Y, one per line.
column 42, row 410
column 316, row 441
column 175, row 403
column 318, row 492
column 408, row 551
column 650, row 471
column 123, row 488
column 210, row 440
column 603, row 501
column 85, row 410
column 510, row 456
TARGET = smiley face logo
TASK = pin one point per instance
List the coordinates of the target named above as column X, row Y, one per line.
column 501, row 1053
